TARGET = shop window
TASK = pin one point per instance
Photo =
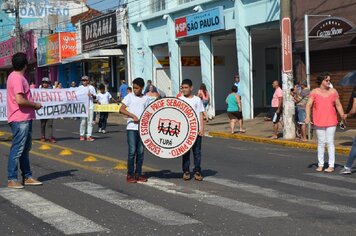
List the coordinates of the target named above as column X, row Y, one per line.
column 184, row 1
column 158, row 5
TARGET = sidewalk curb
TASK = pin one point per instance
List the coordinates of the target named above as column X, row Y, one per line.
column 286, row 143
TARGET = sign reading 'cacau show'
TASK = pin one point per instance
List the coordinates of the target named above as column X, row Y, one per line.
column 200, row 22
column 169, row 127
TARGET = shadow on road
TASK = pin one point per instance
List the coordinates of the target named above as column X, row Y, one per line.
column 167, row 174
column 56, row 175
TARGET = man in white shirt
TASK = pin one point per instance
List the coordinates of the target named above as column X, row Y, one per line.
column 86, row 123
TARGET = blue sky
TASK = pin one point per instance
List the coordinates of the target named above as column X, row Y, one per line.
column 103, row 5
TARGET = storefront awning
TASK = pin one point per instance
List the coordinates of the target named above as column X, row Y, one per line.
column 343, row 41
column 92, row 55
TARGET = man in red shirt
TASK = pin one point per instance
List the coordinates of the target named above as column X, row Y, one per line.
column 275, row 112
column 20, row 113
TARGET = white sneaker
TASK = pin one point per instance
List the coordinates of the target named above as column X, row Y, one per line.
column 100, row 130
column 103, row 131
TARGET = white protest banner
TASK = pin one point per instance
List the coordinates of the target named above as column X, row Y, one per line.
column 168, row 127
column 58, row 103
column 3, row 113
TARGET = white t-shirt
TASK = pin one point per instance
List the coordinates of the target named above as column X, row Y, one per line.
column 136, row 105
column 103, row 98
column 92, row 91
column 196, row 103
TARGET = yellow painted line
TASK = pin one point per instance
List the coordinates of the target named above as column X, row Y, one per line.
column 286, row 143
column 71, row 163
column 102, row 157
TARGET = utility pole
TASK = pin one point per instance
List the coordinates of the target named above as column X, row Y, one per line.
column 18, row 27
column 287, row 70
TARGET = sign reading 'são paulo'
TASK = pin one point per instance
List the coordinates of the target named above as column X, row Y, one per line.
column 200, row 22
column 56, row 103
column 169, row 127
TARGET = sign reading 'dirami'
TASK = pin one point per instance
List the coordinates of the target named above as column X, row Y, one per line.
column 99, row 32
column 200, row 22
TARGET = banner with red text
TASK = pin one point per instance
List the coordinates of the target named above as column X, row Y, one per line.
column 56, row 103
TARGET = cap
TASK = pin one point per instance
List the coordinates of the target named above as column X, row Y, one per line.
column 85, row 77
column 45, row 80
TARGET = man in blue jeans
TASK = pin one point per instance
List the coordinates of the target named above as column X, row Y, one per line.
column 352, row 156
column 20, row 113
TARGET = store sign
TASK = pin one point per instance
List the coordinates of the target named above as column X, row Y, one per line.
column 99, row 32
column 121, row 26
column 168, row 127
column 41, row 10
column 200, row 22
column 8, row 49
column 287, row 65
column 331, row 27
column 53, row 48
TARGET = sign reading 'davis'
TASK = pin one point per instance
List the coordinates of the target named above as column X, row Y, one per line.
column 168, row 127
column 99, row 32
column 332, row 26
column 200, row 22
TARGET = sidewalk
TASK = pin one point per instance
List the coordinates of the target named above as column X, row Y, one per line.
column 258, row 130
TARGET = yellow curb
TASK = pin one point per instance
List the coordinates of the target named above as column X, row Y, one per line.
column 44, row 147
column 90, row 159
column 120, row 166
column 66, row 152
column 286, row 143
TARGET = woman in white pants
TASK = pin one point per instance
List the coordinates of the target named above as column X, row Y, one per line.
column 324, row 100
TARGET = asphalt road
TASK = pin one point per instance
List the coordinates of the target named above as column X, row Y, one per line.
column 249, row 189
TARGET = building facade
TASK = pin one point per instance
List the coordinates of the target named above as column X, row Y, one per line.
column 208, row 41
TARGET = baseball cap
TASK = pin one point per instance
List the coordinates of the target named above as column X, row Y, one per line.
column 85, row 77
column 45, row 80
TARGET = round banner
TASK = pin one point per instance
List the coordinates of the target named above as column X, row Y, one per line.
column 169, row 127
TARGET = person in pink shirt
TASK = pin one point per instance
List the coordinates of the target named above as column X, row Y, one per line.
column 20, row 112
column 324, row 100
column 274, row 114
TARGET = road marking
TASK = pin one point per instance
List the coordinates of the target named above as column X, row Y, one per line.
column 211, row 199
column 153, row 212
column 60, row 218
column 310, row 185
column 64, row 161
column 271, row 193
column 333, row 177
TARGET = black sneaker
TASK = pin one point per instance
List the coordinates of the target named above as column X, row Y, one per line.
column 198, row 176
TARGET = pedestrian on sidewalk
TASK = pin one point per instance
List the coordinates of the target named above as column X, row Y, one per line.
column 234, row 109
column 324, row 100
column 203, row 94
column 136, row 103
column 47, row 123
column 122, row 90
column 86, row 123
column 151, row 94
column 197, row 105
column 301, row 100
column 237, row 84
column 20, row 113
column 103, row 98
column 352, row 155
column 275, row 111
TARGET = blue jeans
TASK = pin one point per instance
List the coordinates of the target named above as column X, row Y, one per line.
column 197, row 157
column 20, row 149
column 135, row 152
column 352, row 155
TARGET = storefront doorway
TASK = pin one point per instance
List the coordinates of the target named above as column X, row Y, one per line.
column 161, row 70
